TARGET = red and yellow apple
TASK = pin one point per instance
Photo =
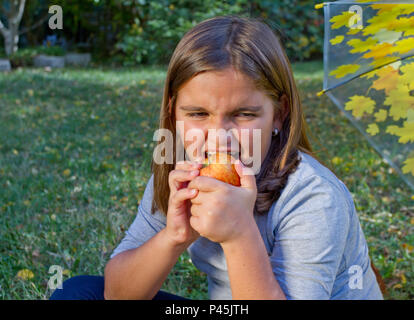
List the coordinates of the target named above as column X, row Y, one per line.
column 221, row 169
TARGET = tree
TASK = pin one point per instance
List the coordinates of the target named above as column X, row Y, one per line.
column 14, row 15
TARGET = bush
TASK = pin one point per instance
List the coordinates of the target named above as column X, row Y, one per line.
column 152, row 38
column 24, row 57
column 300, row 24
column 158, row 26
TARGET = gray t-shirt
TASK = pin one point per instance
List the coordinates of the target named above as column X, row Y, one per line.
column 314, row 240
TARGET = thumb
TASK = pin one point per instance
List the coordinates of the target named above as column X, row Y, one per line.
column 247, row 177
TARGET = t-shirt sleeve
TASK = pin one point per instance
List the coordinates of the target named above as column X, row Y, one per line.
column 145, row 225
column 310, row 237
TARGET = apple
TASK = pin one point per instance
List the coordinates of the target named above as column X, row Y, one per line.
column 225, row 172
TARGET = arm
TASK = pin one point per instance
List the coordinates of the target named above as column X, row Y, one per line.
column 139, row 273
column 153, row 243
column 249, row 268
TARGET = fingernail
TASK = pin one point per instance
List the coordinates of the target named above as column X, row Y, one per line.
column 193, row 191
column 194, row 172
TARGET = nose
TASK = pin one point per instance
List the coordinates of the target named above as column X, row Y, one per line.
column 220, row 134
column 221, row 123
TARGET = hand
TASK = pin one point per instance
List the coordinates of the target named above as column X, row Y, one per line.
column 178, row 228
column 222, row 212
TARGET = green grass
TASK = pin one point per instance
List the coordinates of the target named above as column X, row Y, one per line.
column 75, row 150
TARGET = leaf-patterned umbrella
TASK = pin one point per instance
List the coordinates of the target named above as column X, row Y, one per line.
column 369, row 74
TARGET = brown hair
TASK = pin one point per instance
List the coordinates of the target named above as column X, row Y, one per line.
column 250, row 46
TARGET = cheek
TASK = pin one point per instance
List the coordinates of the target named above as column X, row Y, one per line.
column 265, row 127
column 193, row 137
column 266, row 141
column 257, row 143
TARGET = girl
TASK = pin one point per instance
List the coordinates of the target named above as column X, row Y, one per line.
column 289, row 231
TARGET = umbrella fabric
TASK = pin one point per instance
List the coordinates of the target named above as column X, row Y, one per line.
column 369, row 74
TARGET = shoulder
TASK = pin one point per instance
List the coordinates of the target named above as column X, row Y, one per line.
column 312, row 192
column 313, row 177
column 310, row 167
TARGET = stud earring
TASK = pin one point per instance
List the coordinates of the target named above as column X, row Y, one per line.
column 275, row 132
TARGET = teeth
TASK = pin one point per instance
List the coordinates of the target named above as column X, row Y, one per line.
column 234, row 154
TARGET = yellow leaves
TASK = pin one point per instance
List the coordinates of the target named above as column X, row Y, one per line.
column 66, row 272
column 408, row 246
column 360, row 105
column 401, row 275
column 406, row 133
column 343, row 70
column 396, row 9
column 387, row 79
column 144, row 124
column 408, row 75
column 337, row 160
column 379, row 51
column 341, row 20
column 403, row 24
column 107, row 165
column 303, row 42
column 25, row 274
column 400, row 100
column 336, row 40
column 360, row 45
column 397, row 286
column 379, row 21
column 372, row 129
column 404, row 46
column 408, row 166
column 381, row 115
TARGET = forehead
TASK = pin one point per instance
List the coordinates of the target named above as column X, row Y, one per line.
column 224, row 90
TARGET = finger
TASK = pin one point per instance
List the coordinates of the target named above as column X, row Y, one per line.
column 195, row 223
column 176, row 178
column 202, row 197
column 206, row 184
column 182, row 195
column 187, row 165
column 247, row 177
column 195, row 211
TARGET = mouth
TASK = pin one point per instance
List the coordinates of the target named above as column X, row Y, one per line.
column 234, row 154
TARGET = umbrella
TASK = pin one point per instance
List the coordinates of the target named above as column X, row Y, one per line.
column 369, row 74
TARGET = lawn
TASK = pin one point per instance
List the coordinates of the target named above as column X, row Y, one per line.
column 75, row 151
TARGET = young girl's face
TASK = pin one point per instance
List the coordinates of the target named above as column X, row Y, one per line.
column 225, row 100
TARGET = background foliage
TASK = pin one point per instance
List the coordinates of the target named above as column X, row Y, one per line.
column 134, row 32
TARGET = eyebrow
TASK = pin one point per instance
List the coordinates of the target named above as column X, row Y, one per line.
column 244, row 108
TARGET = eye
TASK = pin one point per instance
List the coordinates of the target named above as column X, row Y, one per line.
column 197, row 114
column 246, row 114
